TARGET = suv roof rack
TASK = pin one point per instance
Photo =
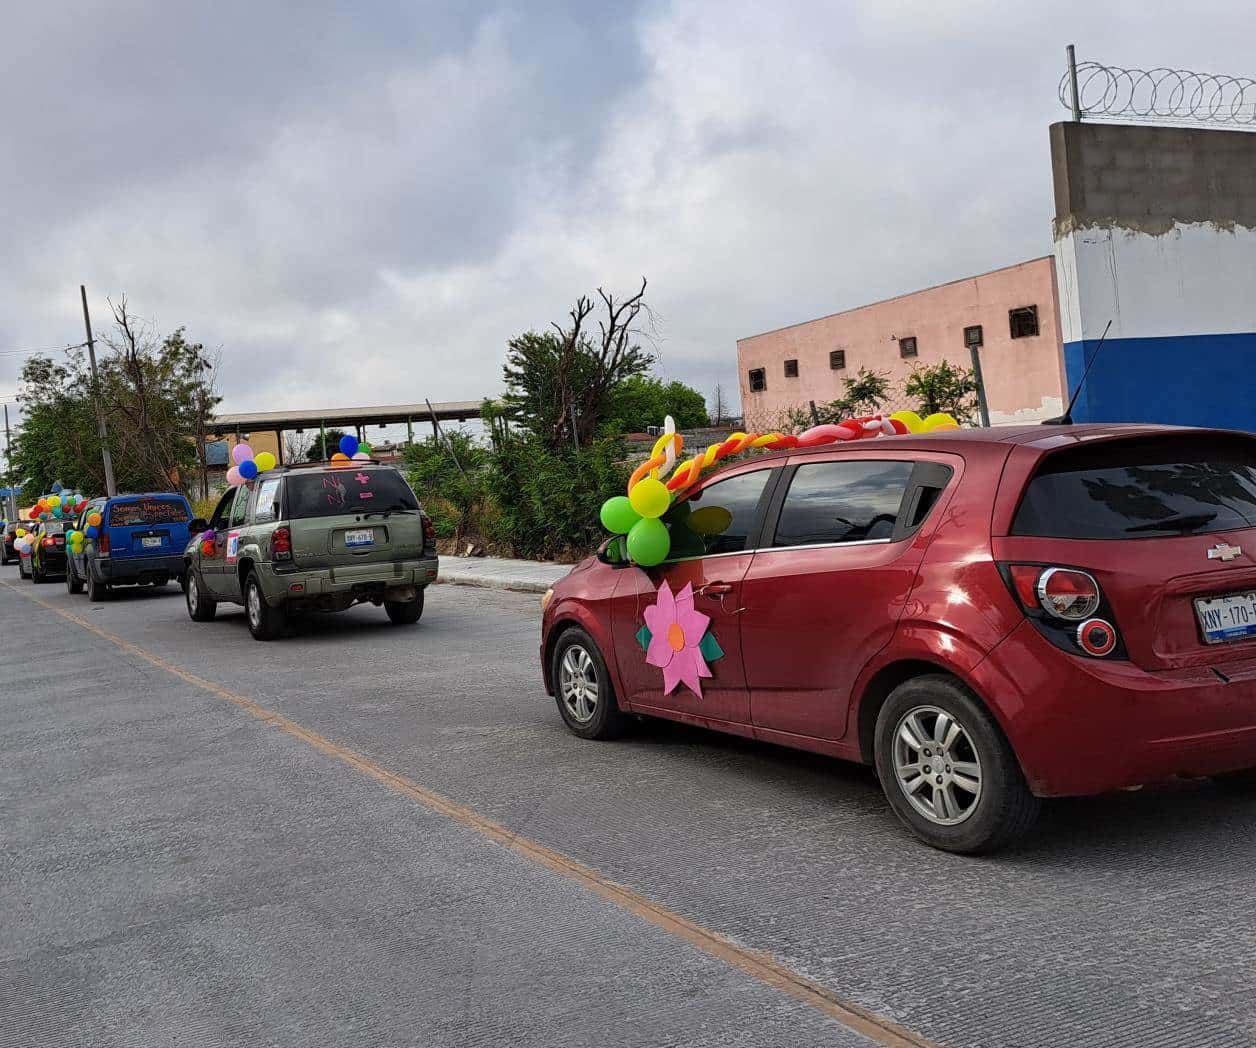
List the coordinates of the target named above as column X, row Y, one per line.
column 289, row 466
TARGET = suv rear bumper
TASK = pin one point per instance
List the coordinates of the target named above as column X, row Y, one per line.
column 1083, row 726
column 115, row 571
column 295, row 585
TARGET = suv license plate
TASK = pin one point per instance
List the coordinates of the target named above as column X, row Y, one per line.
column 150, row 541
column 1232, row 617
column 361, row 537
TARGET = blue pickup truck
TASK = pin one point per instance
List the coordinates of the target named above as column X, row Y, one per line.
column 140, row 541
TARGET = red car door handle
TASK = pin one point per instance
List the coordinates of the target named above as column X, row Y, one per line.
column 716, row 590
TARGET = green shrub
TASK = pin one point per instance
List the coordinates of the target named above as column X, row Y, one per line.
column 548, row 501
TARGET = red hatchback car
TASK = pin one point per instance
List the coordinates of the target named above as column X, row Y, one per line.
column 988, row 616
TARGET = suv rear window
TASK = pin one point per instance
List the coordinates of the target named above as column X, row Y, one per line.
column 1146, row 488
column 147, row 511
column 331, row 493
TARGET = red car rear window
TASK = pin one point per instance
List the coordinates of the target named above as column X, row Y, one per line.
column 1142, row 488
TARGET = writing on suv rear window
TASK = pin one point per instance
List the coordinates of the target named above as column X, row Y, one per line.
column 148, row 511
column 1143, row 488
column 334, row 492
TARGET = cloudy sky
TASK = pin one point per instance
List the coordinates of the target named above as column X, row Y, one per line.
column 361, row 202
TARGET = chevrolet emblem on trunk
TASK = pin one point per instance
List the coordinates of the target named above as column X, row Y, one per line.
column 1221, row 551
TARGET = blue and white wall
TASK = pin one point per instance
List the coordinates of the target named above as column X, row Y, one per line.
column 1155, row 231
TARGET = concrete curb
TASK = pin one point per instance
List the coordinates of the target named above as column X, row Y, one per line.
column 480, row 582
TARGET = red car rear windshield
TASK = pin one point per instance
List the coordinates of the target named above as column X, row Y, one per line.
column 340, row 491
column 147, row 511
column 1145, row 488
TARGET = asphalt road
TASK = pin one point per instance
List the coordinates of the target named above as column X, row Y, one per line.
column 378, row 835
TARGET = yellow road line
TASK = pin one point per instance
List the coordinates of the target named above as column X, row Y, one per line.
column 758, row 965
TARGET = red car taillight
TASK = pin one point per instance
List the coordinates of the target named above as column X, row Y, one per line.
column 48, row 543
column 429, row 531
column 1064, row 593
column 1055, row 598
column 281, row 544
column 102, row 542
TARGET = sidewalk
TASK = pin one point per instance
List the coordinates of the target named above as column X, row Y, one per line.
column 529, row 576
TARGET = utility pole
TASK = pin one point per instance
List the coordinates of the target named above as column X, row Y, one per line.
column 11, row 509
column 1075, row 102
column 983, row 409
column 111, row 488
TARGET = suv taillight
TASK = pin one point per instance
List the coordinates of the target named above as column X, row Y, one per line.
column 102, row 542
column 429, row 531
column 281, row 544
column 49, row 543
column 1067, row 607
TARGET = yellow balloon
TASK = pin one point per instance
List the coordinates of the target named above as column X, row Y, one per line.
column 910, row 419
column 265, row 461
column 650, row 497
column 710, row 520
column 938, row 421
column 20, row 533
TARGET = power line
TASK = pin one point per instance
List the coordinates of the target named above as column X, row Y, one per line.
column 33, row 352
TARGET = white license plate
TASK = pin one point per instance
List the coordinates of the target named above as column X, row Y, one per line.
column 1231, row 617
column 362, row 537
column 149, row 541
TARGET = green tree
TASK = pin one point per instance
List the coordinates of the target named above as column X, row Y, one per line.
column 156, row 395
column 314, row 453
column 643, row 400
column 558, row 384
column 943, row 387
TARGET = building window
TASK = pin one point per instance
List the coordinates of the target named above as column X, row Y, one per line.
column 791, row 369
column 1024, row 321
column 758, row 380
column 972, row 336
column 837, row 359
column 907, row 347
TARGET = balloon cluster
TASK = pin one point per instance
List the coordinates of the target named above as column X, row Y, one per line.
column 635, row 516
column 247, row 465
column 209, row 540
column 59, row 505
column 351, row 450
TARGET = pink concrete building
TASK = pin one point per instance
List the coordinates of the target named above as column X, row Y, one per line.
column 1014, row 313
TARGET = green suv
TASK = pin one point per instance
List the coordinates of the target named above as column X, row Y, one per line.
column 316, row 538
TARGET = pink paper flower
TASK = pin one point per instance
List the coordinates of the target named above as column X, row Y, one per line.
column 676, row 632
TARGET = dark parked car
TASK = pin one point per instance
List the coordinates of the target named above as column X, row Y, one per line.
column 988, row 617
column 9, row 536
column 47, row 552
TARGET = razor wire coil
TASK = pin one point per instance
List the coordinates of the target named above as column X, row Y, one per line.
column 1161, row 95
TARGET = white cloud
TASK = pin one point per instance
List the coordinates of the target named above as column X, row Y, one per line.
column 369, row 215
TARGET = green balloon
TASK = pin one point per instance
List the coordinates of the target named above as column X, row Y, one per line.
column 648, row 542
column 618, row 516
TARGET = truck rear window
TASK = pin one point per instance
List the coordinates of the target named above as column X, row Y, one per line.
column 335, row 492
column 147, row 511
column 1146, row 488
